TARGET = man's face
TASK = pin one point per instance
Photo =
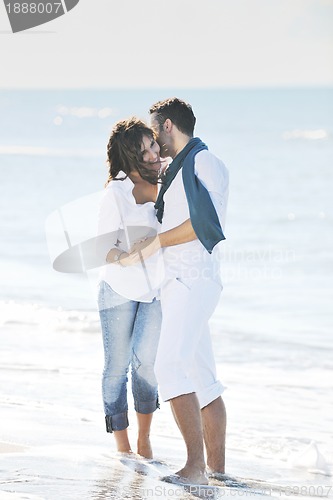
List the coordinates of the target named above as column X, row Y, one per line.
column 161, row 137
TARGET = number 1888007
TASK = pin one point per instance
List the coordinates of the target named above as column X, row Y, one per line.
column 33, row 8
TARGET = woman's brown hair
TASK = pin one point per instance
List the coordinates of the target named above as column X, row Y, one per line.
column 124, row 150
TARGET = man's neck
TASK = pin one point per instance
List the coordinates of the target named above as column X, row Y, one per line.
column 180, row 144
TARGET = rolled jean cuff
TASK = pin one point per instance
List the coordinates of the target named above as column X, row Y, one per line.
column 117, row 422
column 146, row 407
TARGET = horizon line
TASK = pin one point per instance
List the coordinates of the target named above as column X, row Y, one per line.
column 181, row 88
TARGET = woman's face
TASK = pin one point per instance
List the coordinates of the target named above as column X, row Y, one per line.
column 151, row 152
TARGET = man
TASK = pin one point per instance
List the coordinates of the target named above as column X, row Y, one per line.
column 191, row 208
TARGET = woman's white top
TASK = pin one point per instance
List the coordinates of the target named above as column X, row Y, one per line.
column 125, row 222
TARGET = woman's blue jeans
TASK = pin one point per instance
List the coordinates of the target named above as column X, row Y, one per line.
column 130, row 337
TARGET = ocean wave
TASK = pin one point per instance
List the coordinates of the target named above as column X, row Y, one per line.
column 44, row 151
column 85, row 112
column 15, row 314
column 309, row 135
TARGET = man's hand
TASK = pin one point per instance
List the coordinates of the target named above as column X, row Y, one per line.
column 143, row 249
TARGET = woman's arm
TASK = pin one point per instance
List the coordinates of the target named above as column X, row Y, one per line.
column 109, row 222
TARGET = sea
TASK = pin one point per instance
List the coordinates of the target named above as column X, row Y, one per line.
column 272, row 331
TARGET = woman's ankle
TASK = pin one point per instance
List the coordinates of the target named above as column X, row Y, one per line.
column 144, row 446
column 122, row 442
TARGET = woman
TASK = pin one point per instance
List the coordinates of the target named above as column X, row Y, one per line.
column 129, row 311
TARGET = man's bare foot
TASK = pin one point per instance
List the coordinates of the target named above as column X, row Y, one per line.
column 221, row 476
column 215, row 470
column 126, row 453
column 188, row 475
column 124, row 449
column 144, row 447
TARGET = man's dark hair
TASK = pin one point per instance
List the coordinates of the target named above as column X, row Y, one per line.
column 178, row 111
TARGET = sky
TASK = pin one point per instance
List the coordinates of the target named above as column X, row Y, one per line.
column 173, row 43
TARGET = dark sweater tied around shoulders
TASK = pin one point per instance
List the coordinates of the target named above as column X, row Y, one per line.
column 203, row 215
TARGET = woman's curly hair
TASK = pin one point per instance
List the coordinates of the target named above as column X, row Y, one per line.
column 124, row 150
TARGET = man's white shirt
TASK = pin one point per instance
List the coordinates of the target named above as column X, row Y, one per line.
column 191, row 260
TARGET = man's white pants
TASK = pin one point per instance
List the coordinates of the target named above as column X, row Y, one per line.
column 185, row 361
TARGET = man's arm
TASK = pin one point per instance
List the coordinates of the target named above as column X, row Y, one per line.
column 183, row 233
column 177, row 235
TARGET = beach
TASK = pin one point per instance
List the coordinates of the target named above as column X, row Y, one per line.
column 271, row 332
column 54, row 444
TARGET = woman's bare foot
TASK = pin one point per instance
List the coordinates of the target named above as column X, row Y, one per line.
column 144, row 447
column 144, row 423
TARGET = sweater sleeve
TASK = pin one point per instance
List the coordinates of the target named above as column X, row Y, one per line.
column 215, row 177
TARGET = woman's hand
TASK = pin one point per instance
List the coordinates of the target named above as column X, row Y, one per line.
column 126, row 260
column 140, row 251
column 119, row 257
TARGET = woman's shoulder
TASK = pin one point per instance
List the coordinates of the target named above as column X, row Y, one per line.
column 119, row 185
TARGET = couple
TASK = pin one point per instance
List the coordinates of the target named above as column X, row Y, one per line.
column 183, row 221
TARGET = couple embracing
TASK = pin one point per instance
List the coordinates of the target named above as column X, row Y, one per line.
column 162, row 331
